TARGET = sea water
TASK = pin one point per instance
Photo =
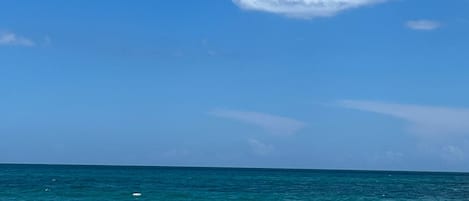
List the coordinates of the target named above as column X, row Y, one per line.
column 115, row 183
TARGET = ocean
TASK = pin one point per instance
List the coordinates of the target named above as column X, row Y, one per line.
column 116, row 183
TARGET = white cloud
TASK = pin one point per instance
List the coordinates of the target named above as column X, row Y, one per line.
column 272, row 123
column 260, row 148
column 423, row 25
column 306, row 9
column 423, row 119
column 8, row 38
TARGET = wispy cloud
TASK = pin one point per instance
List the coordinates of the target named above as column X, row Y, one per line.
column 259, row 147
column 305, row 9
column 423, row 25
column 47, row 41
column 452, row 153
column 9, row 38
column 423, row 119
column 272, row 123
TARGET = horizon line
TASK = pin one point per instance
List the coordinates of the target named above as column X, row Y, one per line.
column 238, row 167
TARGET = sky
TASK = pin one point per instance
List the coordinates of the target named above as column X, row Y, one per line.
column 321, row 84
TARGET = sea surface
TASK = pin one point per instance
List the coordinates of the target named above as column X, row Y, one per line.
column 116, row 183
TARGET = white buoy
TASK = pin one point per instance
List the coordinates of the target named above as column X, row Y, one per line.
column 136, row 194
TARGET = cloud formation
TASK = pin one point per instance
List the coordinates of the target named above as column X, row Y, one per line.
column 259, row 147
column 271, row 123
column 423, row 25
column 305, row 9
column 453, row 153
column 422, row 119
column 8, row 38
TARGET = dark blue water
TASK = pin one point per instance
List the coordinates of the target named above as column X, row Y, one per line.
column 101, row 183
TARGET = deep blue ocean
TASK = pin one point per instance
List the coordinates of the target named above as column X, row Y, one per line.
column 115, row 183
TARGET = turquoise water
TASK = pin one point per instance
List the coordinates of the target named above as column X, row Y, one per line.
column 102, row 183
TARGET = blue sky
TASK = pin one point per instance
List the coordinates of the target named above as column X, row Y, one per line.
column 347, row 84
